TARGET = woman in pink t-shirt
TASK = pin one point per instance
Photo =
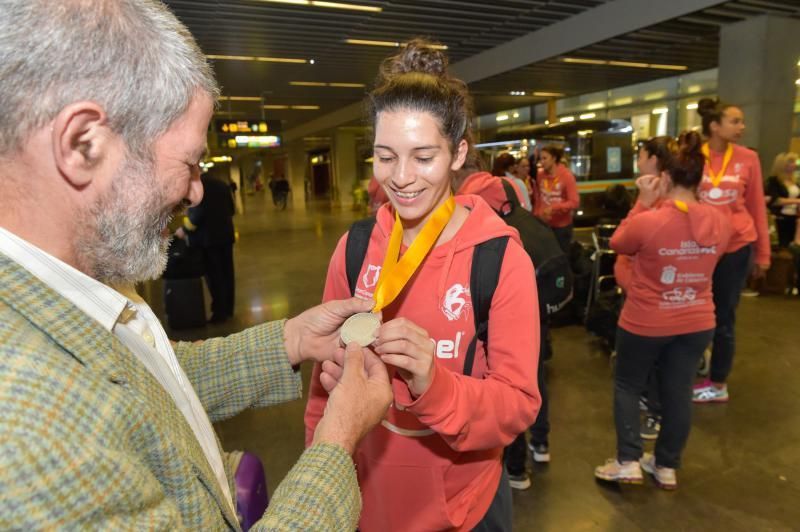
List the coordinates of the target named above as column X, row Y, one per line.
column 732, row 184
column 668, row 316
column 557, row 197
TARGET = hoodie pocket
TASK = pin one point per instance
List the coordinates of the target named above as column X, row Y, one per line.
column 402, row 497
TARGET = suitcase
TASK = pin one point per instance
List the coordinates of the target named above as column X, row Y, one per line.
column 780, row 276
column 184, row 303
column 252, row 495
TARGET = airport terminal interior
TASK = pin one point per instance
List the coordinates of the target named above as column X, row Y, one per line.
column 596, row 77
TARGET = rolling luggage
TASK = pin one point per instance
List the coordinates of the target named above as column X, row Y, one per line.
column 184, row 303
column 780, row 276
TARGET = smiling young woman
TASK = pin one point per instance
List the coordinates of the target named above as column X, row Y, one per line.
column 435, row 463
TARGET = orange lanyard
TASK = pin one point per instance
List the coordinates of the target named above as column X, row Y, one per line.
column 396, row 273
column 549, row 184
column 716, row 178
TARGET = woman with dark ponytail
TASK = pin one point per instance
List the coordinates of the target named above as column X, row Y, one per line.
column 435, row 463
column 668, row 316
column 732, row 183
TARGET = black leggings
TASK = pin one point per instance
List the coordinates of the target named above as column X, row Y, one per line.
column 677, row 357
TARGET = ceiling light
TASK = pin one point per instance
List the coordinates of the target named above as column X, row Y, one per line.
column 655, row 96
column 305, row 107
column 547, row 122
column 797, row 82
column 593, row 106
column 502, row 118
column 339, row 5
column 347, row 85
column 583, row 61
column 308, row 83
column 548, row 94
column 628, row 64
column 391, row 44
column 660, row 110
column 515, row 115
column 694, row 105
column 567, row 119
column 623, row 101
column 694, row 88
column 517, row 93
column 275, row 106
column 332, row 5
column 587, row 116
column 241, row 98
column 256, row 58
column 668, row 67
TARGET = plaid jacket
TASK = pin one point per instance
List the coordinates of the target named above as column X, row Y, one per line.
column 90, row 440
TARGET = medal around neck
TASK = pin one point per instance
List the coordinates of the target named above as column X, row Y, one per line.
column 396, row 271
column 361, row 328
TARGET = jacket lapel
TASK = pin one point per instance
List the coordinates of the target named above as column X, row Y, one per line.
column 98, row 349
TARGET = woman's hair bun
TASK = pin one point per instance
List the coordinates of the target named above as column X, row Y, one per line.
column 707, row 106
column 418, row 55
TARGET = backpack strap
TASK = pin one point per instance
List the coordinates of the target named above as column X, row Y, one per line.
column 356, row 250
column 511, row 196
column 487, row 259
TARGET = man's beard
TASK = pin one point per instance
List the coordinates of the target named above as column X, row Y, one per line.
column 121, row 240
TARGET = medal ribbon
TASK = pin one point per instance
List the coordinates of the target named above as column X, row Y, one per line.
column 395, row 274
column 715, row 179
column 549, row 184
column 682, row 206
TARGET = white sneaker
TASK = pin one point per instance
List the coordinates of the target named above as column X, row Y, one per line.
column 613, row 471
column 540, row 452
column 708, row 393
column 664, row 476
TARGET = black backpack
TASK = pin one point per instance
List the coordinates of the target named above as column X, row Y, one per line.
column 487, row 260
column 553, row 273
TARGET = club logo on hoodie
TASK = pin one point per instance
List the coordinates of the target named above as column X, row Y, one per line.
column 455, row 302
column 370, row 277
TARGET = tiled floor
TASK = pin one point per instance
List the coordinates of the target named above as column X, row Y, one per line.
column 741, row 467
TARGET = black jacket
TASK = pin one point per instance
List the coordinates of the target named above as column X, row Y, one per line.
column 213, row 216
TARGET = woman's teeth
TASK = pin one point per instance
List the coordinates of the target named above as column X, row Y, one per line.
column 408, row 195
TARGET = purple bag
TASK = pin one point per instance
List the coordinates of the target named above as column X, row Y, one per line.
column 252, row 495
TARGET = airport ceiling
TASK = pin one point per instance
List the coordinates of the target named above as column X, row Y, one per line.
column 315, row 31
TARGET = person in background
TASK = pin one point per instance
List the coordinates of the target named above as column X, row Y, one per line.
column 209, row 226
column 104, row 423
column 668, row 315
column 377, row 196
column 522, row 173
column 784, row 197
column 435, row 463
column 557, row 195
column 470, row 179
column 733, row 184
column 505, row 165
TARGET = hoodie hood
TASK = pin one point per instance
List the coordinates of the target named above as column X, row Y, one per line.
column 706, row 224
column 487, row 186
column 481, row 225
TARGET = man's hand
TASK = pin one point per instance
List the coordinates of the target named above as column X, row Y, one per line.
column 360, row 395
column 314, row 334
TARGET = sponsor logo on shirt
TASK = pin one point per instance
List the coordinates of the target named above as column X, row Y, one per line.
column 688, row 247
column 668, row 274
column 448, row 349
column 370, row 277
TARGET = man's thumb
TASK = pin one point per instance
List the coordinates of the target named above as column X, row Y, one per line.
column 353, row 360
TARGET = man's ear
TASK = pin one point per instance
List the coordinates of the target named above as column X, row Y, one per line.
column 80, row 139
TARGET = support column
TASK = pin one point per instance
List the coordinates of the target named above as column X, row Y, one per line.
column 757, row 71
column 297, row 168
column 345, row 170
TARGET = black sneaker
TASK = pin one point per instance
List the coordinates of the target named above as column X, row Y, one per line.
column 650, row 428
column 519, row 482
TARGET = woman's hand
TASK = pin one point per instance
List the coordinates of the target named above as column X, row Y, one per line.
column 408, row 347
column 650, row 190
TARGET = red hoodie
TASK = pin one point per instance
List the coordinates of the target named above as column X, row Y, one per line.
column 559, row 193
column 435, row 462
column 674, row 256
column 490, row 188
column 741, row 200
